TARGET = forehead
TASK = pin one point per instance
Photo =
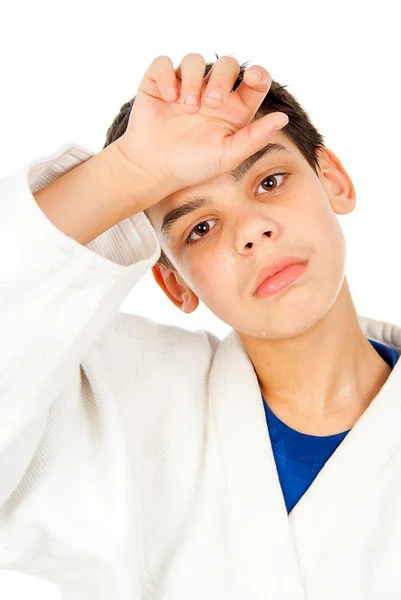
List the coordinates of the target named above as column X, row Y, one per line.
column 280, row 145
column 180, row 203
column 273, row 148
column 177, row 205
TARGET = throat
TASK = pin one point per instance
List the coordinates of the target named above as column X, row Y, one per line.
column 314, row 425
column 341, row 415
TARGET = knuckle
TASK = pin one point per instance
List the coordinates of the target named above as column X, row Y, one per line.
column 222, row 81
column 223, row 73
column 229, row 59
column 192, row 83
column 228, row 62
column 191, row 72
column 192, row 66
column 163, row 58
column 194, row 56
column 160, row 65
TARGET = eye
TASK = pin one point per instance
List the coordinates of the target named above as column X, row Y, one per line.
column 193, row 230
column 201, row 224
column 274, row 176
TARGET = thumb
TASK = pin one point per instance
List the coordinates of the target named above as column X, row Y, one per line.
column 251, row 138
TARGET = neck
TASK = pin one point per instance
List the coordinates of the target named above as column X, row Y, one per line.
column 321, row 381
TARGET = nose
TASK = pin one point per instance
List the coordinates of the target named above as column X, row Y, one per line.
column 250, row 244
column 254, row 232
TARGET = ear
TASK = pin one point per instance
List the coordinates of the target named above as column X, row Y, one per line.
column 337, row 183
column 179, row 293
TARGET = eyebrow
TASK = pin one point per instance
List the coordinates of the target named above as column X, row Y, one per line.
column 236, row 175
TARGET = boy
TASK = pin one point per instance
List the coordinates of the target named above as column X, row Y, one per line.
column 141, row 460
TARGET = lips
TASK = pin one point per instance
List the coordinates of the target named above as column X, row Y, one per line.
column 278, row 265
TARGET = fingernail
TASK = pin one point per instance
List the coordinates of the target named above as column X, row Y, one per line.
column 255, row 71
column 263, row 76
column 171, row 92
column 281, row 123
column 193, row 100
column 215, row 94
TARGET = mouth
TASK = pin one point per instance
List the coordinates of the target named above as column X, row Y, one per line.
column 278, row 275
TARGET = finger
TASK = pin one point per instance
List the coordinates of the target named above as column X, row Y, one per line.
column 251, row 138
column 253, row 88
column 191, row 71
column 160, row 80
column 221, row 81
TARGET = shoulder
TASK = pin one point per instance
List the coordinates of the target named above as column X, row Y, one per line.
column 153, row 338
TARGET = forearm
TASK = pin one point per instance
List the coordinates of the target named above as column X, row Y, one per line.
column 96, row 195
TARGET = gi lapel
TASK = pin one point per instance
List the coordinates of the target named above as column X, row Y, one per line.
column 259, row 517
column 339, row 486
column 279, row 551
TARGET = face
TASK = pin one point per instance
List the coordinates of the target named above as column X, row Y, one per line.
column 279, row 208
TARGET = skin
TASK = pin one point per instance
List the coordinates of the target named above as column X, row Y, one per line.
column 308, row 330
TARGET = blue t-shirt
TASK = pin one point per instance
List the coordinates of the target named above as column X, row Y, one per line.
column 299, row 456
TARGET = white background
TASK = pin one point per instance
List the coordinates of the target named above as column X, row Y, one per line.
column 66, row 69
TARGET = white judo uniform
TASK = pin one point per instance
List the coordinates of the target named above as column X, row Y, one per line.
column 135, row 460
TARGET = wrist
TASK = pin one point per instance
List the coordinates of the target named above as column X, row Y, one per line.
column 138, row 187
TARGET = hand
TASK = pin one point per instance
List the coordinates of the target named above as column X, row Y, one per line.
column 180, row 145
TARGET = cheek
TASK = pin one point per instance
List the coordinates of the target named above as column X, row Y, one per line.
column 329, row 248
column 322, row 226
column 214, row 277
column 330, row 235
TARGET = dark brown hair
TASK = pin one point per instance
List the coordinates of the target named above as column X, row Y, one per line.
column 299, row 128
